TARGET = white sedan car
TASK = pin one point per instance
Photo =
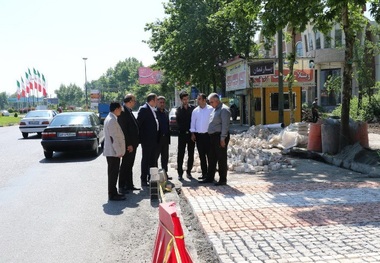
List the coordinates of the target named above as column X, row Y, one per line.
column 4, row 113
column 36, row 121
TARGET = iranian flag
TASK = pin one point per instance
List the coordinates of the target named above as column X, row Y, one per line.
column 18, row 90
column 35, row 79
column 30, row 80
column 27, row 83
column 23, row 87
column 39, row 81
column 44, row 86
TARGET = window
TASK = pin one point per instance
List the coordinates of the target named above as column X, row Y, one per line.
column 310, row 41
column 304, row 96
column 317, row 40
column 257, row 104
column 305, row 37
column 329, row 98
column 338, row 37
column 299, row 49
column 274, row 101
column 327, row 41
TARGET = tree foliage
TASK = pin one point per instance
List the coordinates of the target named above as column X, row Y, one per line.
column 197, row 37
column 3, row 100
column 71, row 95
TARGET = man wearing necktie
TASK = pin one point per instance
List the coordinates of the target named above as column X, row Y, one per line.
column 128, row 124
column 148, row 133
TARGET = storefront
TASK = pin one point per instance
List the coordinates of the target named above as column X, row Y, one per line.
column 237, row 75
column 264, row 81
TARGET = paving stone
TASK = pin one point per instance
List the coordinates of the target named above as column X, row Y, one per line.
column 317, row 216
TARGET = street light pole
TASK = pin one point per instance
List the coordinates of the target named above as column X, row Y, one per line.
column 85, row 82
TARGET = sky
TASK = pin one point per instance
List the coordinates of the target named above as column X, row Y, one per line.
column 53, row 36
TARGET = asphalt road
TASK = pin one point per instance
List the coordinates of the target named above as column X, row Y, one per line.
column 58, row 210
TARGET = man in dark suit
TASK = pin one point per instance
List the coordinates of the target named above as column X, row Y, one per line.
column 128, row 124
column 164, row 133
column 183, row 117
column 148, row 133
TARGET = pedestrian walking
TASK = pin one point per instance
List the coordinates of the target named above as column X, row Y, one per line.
column 129, row 125
column 200, row 118
column 114, row 149
column 148, row 134
column 314, row 110
column 163, row 134
column 183, row 117
column 218, row 129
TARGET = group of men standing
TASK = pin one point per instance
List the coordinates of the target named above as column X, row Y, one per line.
column 124, row 132
column 206, row 126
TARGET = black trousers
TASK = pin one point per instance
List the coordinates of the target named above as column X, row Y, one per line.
column 113, row 174
column 184, row 139
column 126, row 169
column 148, row 160
column 315, row 116
column 217, row 155
column 203, row 147
column 163, row 151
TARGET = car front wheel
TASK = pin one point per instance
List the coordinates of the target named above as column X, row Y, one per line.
column 48, row 154
column 25, row 135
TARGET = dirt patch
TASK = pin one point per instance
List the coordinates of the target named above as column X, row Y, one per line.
column 203, row 246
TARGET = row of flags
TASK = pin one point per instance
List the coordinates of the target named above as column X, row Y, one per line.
column 34, row 82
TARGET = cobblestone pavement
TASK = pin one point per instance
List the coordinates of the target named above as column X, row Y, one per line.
column 313, row 212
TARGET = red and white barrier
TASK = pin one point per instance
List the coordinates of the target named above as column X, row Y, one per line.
column 170, row 243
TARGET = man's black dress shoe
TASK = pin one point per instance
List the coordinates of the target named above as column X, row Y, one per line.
column 188, row 175
column 117, row 197
column 133, row 188
column 220, row 183
column 180, row 177
column 206, row 181
column 144, row 183
column 123, row 190
column 202, row 177
column 170, row 178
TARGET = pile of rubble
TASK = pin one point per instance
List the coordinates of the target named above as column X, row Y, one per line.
column 249, row 152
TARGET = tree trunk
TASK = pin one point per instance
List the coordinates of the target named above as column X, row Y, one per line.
column 291, row 75
column 347, row 79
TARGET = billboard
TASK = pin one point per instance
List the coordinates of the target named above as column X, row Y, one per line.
column 263, row 68
column 236, row 76
column 149, row 76
column 304, row 76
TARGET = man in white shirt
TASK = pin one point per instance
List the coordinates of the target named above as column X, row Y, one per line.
column 200, row 118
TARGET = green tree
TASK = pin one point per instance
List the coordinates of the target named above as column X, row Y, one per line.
column 190, row 45
column 349, row 14
column 70, row 95
column 3, row 100
column 294, row 15
column 118, row 81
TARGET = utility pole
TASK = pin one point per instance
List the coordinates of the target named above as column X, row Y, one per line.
column 280, row 78
column 85, row 83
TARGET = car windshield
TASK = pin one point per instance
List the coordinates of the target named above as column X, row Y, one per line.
column 32, row 114
column 70, row 120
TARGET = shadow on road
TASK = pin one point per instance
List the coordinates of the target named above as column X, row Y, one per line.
column 66, row 157
column 132, row 201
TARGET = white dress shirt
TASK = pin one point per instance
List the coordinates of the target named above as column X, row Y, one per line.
column 155, row 116
column 200, row 118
